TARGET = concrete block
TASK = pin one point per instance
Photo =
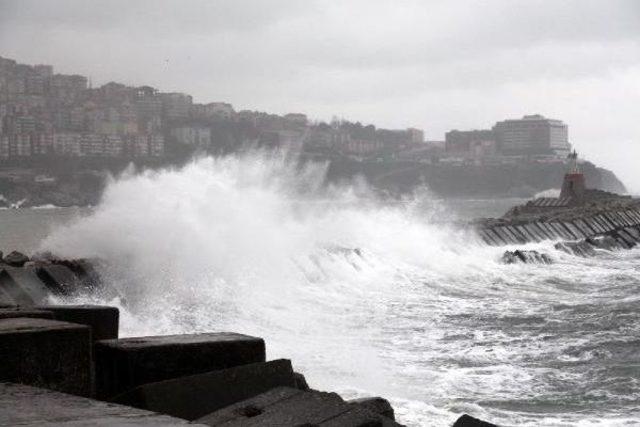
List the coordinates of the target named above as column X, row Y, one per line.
column 519, row 237
column 27, row 406
column 629, row 240
column 583, row 228
column 594, row 225
column 485, row 237
column 513, row 237
column 24, row 285
column 16, row 259
column 301, row 382
column 634, row 232
column 542, row 235
column 623, row 220
column 622, row 241
column 124, row 364
column 607, row 223
column 525, row 233
column 103, row 320
column 615, row 219
column 46, row 353
column 469, row 421
column 538, row 237
column 195, row 396
column 635, row 214
column 491, row 237
column 561, row 231
column 630, row 220
column 500, row 231
column 499, row 240
column 546, row 231
column 58, row 278
column 603, row 226
column 377, row 405
column 13, row 312
column 289, row 407
column 6, row 300
column 574, row 230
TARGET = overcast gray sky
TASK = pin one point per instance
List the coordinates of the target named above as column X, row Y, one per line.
column 436, row 64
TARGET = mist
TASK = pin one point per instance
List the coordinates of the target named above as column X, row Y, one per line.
column 434, row 65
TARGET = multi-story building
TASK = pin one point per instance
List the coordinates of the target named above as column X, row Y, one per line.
column 297, row 118
column 4, row 145
column 193, row 136
column 459, row 142
column 416, row 136
column 66, row 88
column 176, row 105
column 20, row 145
column 362, row 147
column 113, row 145
column 156, row 145
column 532, row 134
column 42, row 144
column 67, row 144
column 92, row 145
column 213, row 110
column 139, row 146
column 147, row 102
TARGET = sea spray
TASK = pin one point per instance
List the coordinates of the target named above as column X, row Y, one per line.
column 364, row 296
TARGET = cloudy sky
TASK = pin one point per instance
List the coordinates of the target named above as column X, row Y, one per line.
column 436, row 64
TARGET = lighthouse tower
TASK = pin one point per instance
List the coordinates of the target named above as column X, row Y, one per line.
column 573, row 185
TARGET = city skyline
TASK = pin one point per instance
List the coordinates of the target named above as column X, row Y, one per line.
column 412, row 72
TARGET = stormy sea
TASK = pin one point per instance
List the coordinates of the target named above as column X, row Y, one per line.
column 366, row 296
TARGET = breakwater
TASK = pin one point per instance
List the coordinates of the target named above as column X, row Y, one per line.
column 65, row 364
column 610, row 224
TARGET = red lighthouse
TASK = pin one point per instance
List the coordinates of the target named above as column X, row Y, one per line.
column 573, row 185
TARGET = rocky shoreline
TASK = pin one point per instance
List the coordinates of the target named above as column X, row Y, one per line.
column 66, row 365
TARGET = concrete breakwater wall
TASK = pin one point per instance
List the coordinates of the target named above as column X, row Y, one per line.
column 607, row 229
column 66, row 365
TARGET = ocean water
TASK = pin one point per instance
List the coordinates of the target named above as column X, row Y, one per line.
column 366, row 297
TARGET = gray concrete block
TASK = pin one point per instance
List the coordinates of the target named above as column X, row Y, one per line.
column 541, row 231
column 58, row 278
column 561, row 231
column 103, row 320
column 603, row 226
column 26, row 406
column 46, row 353
column 377, row 405
column 594, row 225
column 499, row 240
column 21, row 287
column 607, row 224
column 634, row 232
column 124, row 364
column 289, row 407
column 485, row 237
column 533, row 232
column 519, row 237
column 525, row 233
column 630, row 221
column 574, row 230
column 13, row 312
column 503, row 235
column 548, row 231
column 194, row 396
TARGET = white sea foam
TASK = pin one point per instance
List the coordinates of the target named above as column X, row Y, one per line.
column 365, row 297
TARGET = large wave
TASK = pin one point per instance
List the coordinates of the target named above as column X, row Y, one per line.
column 365, row 296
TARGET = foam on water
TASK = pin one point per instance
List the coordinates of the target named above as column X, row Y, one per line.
column 368, row 298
